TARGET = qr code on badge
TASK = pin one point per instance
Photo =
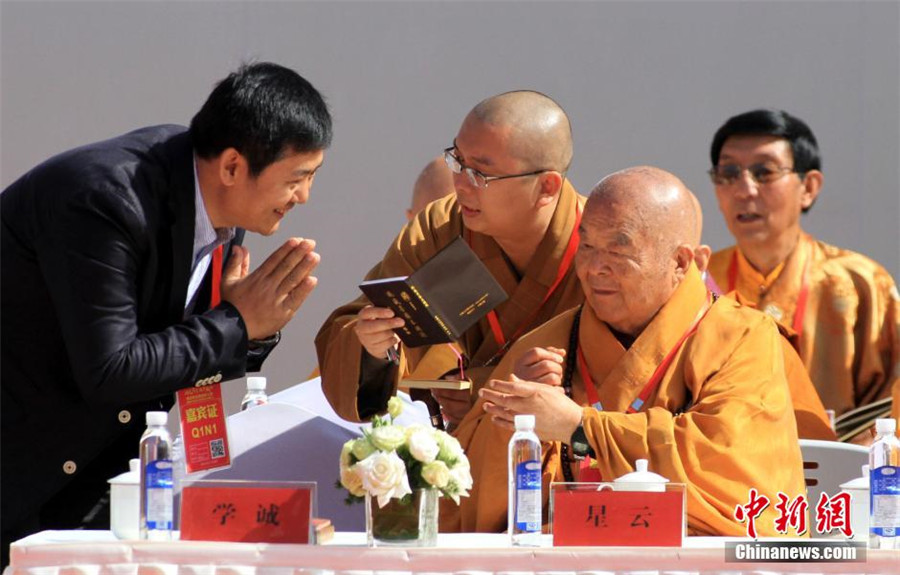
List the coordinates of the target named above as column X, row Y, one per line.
column 217, row 448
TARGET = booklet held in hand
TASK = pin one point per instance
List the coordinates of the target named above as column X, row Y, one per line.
column 441, row 299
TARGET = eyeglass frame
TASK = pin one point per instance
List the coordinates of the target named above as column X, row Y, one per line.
column 472, row 173
column 781, row 172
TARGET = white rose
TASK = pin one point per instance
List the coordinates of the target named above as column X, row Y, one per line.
column 352, row 482
column 461, row 475
column 436, row 474
column 362, row 448
column 415, row 427
column 395, row 407
column 387, row 437
column 450, row 450
column 384, row 476
column 346, row 450
column 423, row 445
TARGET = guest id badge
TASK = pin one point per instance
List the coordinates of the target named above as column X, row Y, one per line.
column 203, row 429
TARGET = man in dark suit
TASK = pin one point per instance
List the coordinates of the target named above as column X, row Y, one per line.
column 109, row 270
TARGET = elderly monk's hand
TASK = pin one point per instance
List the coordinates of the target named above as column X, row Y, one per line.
column 375, row 330
column 270, row 296
column 455, row 403
column 543, row 365
column 556, row 416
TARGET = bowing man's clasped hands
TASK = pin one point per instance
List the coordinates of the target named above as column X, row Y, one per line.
column 269, row 297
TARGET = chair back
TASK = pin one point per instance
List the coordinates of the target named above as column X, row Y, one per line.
column 828, row 464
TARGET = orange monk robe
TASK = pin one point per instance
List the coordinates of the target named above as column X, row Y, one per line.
column 339, row 350
column 850, row 337
column 812, row 421
column 719, row 422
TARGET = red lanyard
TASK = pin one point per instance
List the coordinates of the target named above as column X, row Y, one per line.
column 800, row 310
column 216, row 293
column 564, row 266
column 657, row 376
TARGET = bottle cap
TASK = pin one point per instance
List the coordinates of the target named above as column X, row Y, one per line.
column 524, row 422
column 157, row 418
column 256, row 383
column 886, row 425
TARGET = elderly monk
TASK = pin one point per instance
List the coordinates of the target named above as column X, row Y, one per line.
column 434, row 182
column 843, row 305
column 655, row 369
column 812, row 421
column 518, row 213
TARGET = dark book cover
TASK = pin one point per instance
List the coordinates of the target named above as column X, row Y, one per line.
column 441, row 299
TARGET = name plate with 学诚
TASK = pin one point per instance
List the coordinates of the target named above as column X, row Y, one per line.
column 248, row 511
column 594, row 514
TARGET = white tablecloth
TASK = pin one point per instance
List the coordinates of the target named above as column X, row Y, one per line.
column 99, row 553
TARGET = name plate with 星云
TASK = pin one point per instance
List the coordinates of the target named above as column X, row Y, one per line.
column 594, row 514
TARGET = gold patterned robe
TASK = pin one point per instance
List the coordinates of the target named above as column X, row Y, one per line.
column 850, row 341
column 720, row 421
column 339, row 350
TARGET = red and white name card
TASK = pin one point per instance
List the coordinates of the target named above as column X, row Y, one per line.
column 203, row 430
column 595, row 515
column 253, row 512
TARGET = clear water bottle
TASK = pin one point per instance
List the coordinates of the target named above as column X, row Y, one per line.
column 256, row 393
column 179, row 472
column 524, row 507
column 884, row 487
column 157, row 486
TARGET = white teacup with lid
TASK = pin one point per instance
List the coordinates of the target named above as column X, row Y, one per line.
column 859, row 503
column 125, row 502
column 641, row 479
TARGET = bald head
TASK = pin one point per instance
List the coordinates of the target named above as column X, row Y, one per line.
column 652, row 202
column 541, row 136
column 434, row 182
column 702, row 252
column 636, row 245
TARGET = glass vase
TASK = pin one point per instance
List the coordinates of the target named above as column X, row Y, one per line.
column 408, row 522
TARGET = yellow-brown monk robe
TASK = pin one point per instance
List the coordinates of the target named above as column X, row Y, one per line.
column 720, row 420
column 812, row 421
column 850, row 329
column 339, row 350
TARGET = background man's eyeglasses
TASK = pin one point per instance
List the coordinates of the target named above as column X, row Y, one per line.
column 476, row 178
column 760, row 173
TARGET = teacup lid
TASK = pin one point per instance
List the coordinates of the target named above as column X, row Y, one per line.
column 859, row 482
column 132, row 476
column 641, row 475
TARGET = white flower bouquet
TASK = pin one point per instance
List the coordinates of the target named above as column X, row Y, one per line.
column 390, row 461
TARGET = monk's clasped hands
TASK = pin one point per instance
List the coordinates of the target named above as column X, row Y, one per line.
column 542, row 365
column 556, row 416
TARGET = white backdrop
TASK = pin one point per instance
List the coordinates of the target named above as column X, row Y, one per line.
column 643, row 82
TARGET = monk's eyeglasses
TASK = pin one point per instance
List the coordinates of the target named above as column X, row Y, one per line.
column 764, row 173
column 476, row 178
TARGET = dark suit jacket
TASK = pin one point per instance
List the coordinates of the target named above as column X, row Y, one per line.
column 96, row 256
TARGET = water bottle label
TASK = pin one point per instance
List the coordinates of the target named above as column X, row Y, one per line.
column 528, row 496
column 884, row 517
column 160, row 488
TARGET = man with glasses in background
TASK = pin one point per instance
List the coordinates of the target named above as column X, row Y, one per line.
column 843, row 306
column 518, row 213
